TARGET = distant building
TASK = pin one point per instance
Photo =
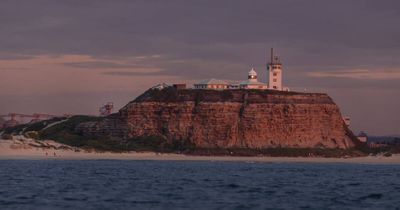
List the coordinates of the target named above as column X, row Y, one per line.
column 212, row 84
column 179, row 86
column 362, row 136
column 252, row 82
column 274, row 72
column 234, row 86
column 274, row 68
column 346, row 120
column 106, row 109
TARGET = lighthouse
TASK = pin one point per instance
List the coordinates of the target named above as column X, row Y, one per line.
column 274, row 70
column 252, row 75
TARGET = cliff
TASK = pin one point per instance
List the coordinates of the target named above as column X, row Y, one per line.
column 250, row 119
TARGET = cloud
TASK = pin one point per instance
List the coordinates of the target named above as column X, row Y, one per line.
column 14, row 56
column 360, row 74
column 124, row 45
column 132, row 73
column 100, row 65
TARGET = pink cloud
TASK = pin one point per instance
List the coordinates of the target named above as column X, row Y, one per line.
column 362, row 74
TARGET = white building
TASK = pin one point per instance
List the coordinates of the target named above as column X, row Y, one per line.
column 252, row 82
column 274, row 72
column 274, row 68
column 212, row 84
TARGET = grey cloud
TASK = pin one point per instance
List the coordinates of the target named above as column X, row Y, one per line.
column 100, row 64
column 131, row 73
column 14, row 56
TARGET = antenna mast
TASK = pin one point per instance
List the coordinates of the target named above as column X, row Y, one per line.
column 272, row 55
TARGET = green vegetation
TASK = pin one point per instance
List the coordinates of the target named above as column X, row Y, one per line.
column 65, row 132
column 14, row 130
column 37, row 126
column 388, row 149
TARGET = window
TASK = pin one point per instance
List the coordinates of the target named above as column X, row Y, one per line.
column 275, row 74
column 274, row 87
column 274, row 80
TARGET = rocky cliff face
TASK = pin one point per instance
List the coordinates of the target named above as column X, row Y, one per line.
column 230, row 119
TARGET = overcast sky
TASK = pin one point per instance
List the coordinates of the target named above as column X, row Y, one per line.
column 71, row 56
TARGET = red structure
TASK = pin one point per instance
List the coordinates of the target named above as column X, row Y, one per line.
column 106, row 109
column 179, row 86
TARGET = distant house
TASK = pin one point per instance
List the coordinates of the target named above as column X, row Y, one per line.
column 362, row 136
column 179, row 86
column 212, row 84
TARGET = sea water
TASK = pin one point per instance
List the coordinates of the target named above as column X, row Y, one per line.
column 123, row 184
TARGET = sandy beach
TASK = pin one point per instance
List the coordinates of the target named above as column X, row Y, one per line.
column 23, row 148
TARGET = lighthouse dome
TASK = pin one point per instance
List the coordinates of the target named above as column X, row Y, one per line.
column 252, row 74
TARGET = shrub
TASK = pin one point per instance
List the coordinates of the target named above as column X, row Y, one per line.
column 387, row 154
column 32, row 134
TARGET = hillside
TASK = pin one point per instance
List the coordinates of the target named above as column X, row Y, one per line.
column 248, row 122
column 230, row 119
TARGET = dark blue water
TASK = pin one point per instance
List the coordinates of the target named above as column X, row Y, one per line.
column 107, row 184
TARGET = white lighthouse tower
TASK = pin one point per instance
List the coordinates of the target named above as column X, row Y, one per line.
column 252, row 75
column 274, row 69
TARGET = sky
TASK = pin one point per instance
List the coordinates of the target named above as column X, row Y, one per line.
column 72, row 56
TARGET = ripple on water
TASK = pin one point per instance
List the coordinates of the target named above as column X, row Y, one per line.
column 85, row 184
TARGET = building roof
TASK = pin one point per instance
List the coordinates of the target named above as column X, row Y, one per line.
column 252, row 72
column 212, row 81
column 362, row 134
column 248, row 82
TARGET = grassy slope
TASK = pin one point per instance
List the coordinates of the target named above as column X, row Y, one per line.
column 64, row 132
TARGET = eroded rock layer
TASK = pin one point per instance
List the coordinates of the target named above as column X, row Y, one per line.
column 230, row 119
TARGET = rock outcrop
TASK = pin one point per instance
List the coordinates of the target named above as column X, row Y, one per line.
column 230, row 119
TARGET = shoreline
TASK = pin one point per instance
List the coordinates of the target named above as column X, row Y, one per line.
column 29, row 149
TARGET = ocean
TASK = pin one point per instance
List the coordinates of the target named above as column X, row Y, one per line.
column 129, row 184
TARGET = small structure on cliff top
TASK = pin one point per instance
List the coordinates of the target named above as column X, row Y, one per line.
column 274, row 70
column 106, row 109
column 362, row 136
column 252, row 82
column 212, row 84
column 179, row 86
